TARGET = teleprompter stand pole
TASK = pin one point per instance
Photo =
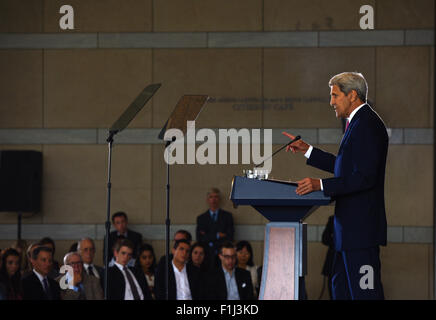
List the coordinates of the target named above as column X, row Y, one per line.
column 122, row 122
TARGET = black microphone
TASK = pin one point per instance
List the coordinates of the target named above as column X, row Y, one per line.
column 281, row 148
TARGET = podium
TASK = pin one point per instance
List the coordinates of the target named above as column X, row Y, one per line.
column 285, row 254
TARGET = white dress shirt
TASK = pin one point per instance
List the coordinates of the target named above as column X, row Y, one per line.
column 182, row 283
column 128, row 295
column 309, row 151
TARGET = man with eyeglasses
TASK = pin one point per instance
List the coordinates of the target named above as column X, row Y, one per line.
column 84, row 286
column 229, row 282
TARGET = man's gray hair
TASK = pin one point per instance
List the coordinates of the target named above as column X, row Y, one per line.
column 69, row 254
column 348, row 81
column 214, row 190
column 83, row 239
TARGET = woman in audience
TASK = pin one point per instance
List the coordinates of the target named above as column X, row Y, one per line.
column 21, row 246
column 198, row 256
column 145, row 265
column 10, row 274
column 244, row 256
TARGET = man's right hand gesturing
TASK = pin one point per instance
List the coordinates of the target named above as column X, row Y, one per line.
column 297, row 146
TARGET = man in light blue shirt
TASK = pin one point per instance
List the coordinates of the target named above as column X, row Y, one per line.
column 228, row 282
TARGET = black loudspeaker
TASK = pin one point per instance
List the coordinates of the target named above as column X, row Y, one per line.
column 20, row 180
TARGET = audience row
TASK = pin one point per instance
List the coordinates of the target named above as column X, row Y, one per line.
column 211, row 268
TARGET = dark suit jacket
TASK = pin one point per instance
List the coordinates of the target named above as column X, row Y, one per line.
column 117, row 285
column 210, row 228
column 217, row 289
column 194, row 278
column 33, row 290
column 133, row 236
column 358, row 183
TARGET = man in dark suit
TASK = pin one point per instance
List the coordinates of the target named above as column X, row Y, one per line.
column 360, row 225
column 228, row 282
column 184, row 280
column 120, row 221
column 178, row 235
column 86, row 249
column 215, row 226
column 36, row 284
column 123, row 281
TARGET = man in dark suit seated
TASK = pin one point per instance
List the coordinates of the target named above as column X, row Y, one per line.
column 36, row 284
column 123, row 282
column 228, row 282
column 179, row 235
column 360, row 225
column 184, row 280
column 84, row 286
column 120, row 221
column 86, row 249
column 215, row 226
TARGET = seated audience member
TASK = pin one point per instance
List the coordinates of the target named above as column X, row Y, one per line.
column 199, row 256
column 21, row 246
column 37, row 285
column 146, row 266
column 85, row 287
column 48, row 242
column 229, row 282
column 120, row 223
column 29, row 262
column 179, row 235
column 10, row 274
column 215, row 226
column 184, row 281
column 86, row 249
column 132, row 260
column 123, row 282
column 244, row 256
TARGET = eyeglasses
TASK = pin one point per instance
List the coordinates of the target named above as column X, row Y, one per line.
column 75, row 263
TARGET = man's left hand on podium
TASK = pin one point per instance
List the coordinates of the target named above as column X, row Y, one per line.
column 308, row 185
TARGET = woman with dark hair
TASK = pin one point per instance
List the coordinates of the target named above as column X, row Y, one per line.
column 244, row 256
column 145, row 266
column 10, row 274
column 199, row 256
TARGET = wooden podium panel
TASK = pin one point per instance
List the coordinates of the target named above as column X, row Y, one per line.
column 281, row 265
column 285, row 254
